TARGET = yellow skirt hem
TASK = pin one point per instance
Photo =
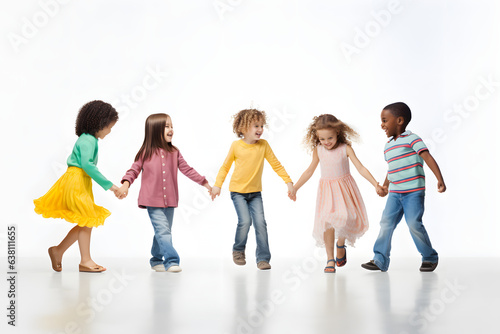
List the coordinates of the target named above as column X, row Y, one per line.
column 71, row 199
column 73, row 218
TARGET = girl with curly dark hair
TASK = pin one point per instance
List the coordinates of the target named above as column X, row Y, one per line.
column 339, row 206
column 71, row 197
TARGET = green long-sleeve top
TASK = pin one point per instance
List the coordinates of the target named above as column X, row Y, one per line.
column 84, row 156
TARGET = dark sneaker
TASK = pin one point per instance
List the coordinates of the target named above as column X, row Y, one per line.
column 263, row 265
column 428, row 266
column 239, row 258
column 370, row 266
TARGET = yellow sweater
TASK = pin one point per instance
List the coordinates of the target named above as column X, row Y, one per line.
column 249, row 163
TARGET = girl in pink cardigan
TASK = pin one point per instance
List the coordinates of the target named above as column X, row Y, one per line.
column 159, row 161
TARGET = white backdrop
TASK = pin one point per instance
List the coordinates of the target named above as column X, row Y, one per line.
column 202, row 61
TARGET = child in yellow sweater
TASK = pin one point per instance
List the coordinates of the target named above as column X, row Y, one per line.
column 248, row 153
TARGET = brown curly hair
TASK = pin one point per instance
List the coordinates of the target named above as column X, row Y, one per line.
column 94, row 116
column 244, row 119
column 326, row 121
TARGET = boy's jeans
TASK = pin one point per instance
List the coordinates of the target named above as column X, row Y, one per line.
column 249, row 209
column 163, row 250
column 412, row 206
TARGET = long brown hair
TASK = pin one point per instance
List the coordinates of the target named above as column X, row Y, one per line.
column 327, row 121
column 154, row 137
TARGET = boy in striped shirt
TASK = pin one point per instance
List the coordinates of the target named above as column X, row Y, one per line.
column 405, row 153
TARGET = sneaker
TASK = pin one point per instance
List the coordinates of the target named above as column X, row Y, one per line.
column 263, row 265
column 428, row 266
column 174, row 269
column 159, row 268
column 239, row 258
column 370, row 266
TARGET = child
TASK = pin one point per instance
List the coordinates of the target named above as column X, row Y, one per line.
column 405, row 153
column 71, row 197
column 159, row 160
column 339, row 205
column 248, row 153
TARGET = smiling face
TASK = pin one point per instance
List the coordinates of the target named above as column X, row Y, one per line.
column 254, row 132
column 169, row 130
column 327, row 137
column 391, row 124
column 104, row 132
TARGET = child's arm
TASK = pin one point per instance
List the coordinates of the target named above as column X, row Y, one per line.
column 386, row 181
column 209, row 188
column 129, row 178
column 190, row 172
column 363, row 170
column 429, row 160
column 279, row 169
column 87, row 150
column 221, row 176
column 307, row 173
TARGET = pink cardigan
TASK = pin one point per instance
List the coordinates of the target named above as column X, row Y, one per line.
column 159, row 178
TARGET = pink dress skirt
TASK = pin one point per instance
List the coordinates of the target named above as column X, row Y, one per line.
column 339, row 204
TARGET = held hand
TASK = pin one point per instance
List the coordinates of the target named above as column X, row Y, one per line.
column 114, row 189
column 207, row 185
column 381, row 190
column 123, row 191
column 293, row 194
column 386, row 190
column 291, row 191
column 215, row 192
column 441, row 187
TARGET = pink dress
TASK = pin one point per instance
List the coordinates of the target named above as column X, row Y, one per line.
column 339, row 204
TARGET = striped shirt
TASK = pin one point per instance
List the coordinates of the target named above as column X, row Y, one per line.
column 406, row 167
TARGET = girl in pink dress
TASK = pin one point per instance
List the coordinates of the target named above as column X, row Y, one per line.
column 340, row 211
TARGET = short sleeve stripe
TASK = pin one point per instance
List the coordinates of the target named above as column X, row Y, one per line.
column 405, row 165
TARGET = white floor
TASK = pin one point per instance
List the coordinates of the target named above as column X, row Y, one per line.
column 295, row 296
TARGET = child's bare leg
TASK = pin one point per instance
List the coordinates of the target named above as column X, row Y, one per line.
column 84, row 243
column 56, row 253
column 329, row 237
column 70, row 239
column 340, row 251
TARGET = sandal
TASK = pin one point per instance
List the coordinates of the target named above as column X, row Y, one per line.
column 57, row 266
column 330, row 269
column 94, row 269
column 342, row 261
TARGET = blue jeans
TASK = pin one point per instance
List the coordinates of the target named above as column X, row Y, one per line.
column 412, row 206
column 163, row 250
column 249, row 208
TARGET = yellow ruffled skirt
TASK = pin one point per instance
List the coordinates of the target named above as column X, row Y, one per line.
column 71, row 199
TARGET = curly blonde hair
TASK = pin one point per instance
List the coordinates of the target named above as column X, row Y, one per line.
column 244, row 119
column 326, row 121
